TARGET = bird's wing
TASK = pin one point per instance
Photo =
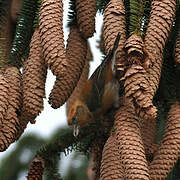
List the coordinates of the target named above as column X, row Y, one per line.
column 93, row 90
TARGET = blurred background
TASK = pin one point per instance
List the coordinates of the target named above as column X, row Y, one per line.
column 15, row 161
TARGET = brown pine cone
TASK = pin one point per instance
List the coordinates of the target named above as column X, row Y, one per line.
column 51, row 33
column 34, row 77
column 114, row 22
column 111, row 165
column 169, row 149
column 76, row 54
column 80, row 84
column 86, row 12
column 130, row 144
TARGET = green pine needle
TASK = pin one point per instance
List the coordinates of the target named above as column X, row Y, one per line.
column 72, row 14
column 36, row 19
column 64, row 141
column 137, row 16
column 24, row 31
column 101, row 5
column 146, row 15
column 136, row 13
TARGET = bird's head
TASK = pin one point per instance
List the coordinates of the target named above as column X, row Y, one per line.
column 79, row 116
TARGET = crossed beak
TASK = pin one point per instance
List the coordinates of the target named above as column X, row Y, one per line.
column 76, row 130
column 76, row 127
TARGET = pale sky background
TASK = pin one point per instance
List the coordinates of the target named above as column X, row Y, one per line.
column 51, row 119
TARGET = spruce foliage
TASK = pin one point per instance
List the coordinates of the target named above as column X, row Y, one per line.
column 24, row 31
column 137, row 18
column 101, row 5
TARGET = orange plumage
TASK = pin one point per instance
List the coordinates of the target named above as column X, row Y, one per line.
column 99, row 94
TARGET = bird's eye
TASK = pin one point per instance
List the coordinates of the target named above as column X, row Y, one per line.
column 73, row 120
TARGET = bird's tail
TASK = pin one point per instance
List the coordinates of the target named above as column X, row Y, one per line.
column 116, row 42
column 114, row 51
column 100, row 72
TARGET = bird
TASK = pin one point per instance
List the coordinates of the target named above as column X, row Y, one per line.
column 99, row 94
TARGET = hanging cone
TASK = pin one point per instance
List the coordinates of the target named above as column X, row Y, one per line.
column 130, row 144
column 114, row 22
column 51, row 33
column 148, row 131
column 111, row 165
column 76, row 54
column 34, row 77
column 86, row 12
column 6, row 133
column 80, row 84
column 4, row 95
column 177, row 49
column 137, row 85
column 134, row 43
column 152, row 76
column 169, row 150
column 134, row 47
column 4, row 102
column 11, row 124
column 36, row 169
column 24, row 119
column 138, row 91
column 9, row 129
column 161, row 21
column 159, row 26
column 14, row 79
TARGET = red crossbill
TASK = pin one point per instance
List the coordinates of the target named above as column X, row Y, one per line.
column 99, row 94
